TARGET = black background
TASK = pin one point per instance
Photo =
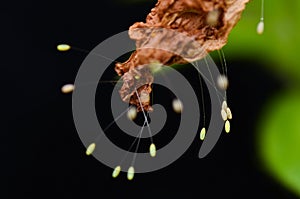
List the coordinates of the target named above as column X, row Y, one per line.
column 42, row 154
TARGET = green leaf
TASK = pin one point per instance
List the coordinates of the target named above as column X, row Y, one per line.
column 279, row 139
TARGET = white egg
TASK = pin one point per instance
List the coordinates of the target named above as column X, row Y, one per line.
column 224, row 114
column 68, row 88
column 260, row 27
column 177, row 106
column 222, row 82
column 131, row 113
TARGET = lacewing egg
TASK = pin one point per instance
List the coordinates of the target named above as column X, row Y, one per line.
column 224, row 114
column 227, row 126
column 130, row 173
column 222, row 82
column 116, row 172
column 152, row 150
column 224, row 105
column 68, row 88
column 177, row 106
column 202, row 134
column 131, row 113
column 90, row 149
column 228, row 112
column 63, row 47
column 260, row 27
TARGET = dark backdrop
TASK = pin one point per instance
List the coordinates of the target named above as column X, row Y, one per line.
column 42, row 154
